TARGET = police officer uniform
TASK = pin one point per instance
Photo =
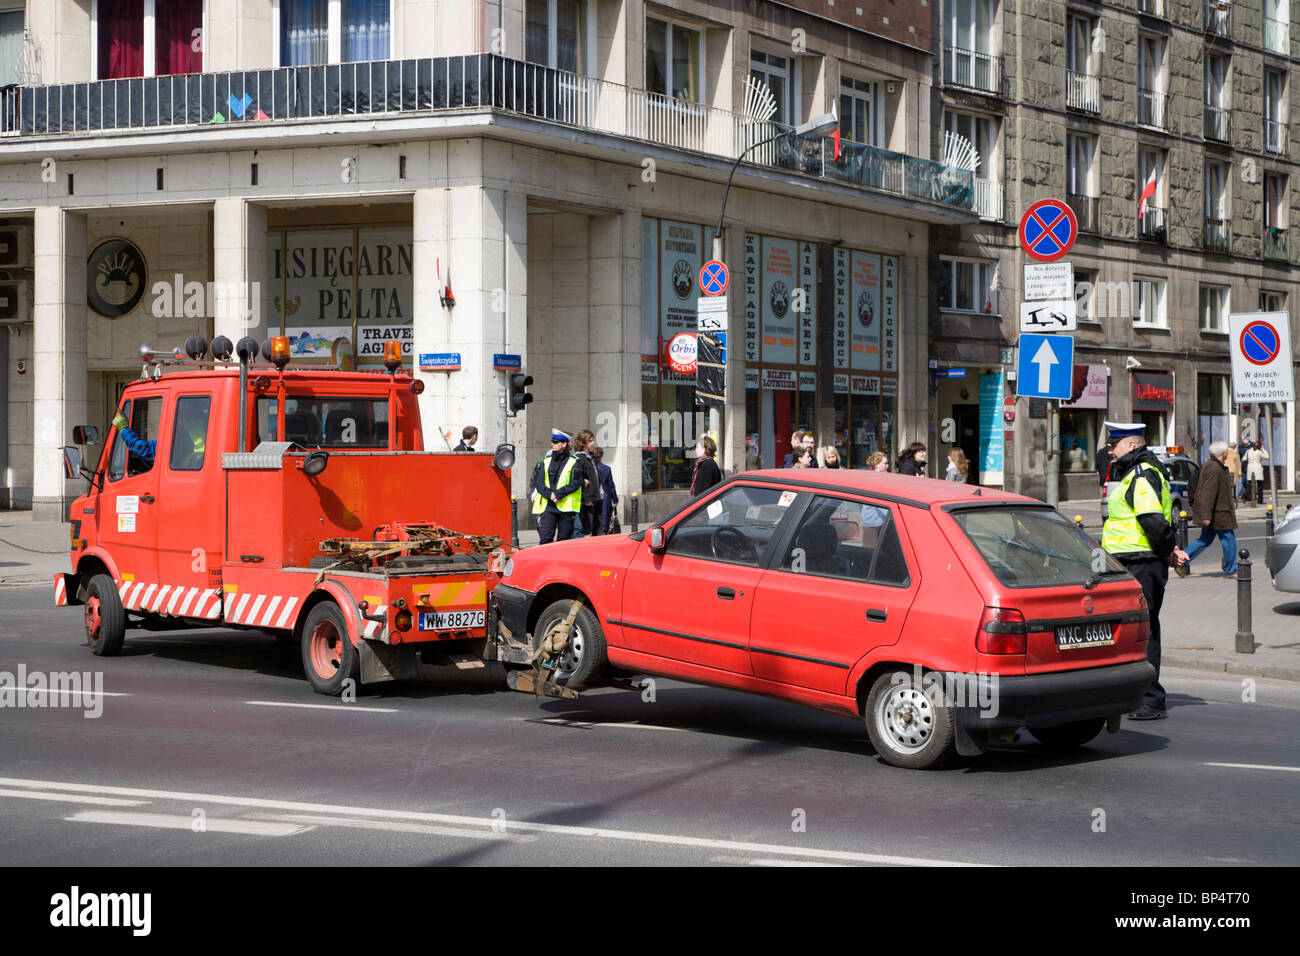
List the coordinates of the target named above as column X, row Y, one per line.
column 1139, row 532
column 559, row 475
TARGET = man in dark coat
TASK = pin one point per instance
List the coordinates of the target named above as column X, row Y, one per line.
column 1103, row 462
column 1213, row 508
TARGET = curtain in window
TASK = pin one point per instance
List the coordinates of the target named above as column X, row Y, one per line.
column 11, row 46
column 304, row 32
column 536, row 34
column 365, row 30
column 121, row 38
column 656, row 57
column 568, row 35
column 176, row 45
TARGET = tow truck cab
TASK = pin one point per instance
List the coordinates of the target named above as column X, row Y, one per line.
column 328, row 524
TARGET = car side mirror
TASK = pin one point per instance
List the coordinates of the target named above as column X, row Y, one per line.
column 658, row 540
column 71, row 461
column 85, row 435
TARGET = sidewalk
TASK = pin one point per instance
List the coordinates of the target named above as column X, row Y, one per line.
column 1199, row 619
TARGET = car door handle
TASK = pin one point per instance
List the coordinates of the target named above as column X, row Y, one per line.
column 727, row 594
column 147, row 499
column 877, row 614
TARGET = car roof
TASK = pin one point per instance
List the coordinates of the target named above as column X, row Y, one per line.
column 908, row 489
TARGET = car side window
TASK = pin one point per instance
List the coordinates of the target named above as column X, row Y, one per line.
column 845, row 539
column 737, row 526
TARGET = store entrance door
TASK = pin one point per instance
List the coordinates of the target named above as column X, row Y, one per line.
column 967, row 420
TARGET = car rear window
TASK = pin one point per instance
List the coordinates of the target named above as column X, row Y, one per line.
column 1032, row 547
column 327, row 422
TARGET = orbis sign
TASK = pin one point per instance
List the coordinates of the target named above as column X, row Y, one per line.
column 680, row 353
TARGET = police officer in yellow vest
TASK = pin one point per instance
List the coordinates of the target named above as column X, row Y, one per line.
column 557, row 491
column 1139, row 532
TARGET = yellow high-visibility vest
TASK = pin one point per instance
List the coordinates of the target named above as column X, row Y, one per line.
column 571, row 502
column 1123, row 532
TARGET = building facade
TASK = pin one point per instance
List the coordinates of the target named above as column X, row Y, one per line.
column 1166, row 125
column 533, row 178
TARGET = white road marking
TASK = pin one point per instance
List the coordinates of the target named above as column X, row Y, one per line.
column 767, row 861
column 61, row 691
column 587, row 725
column 513, row 826
column 167, row 821
column 398, row 827
column 348, row 707
column 1254, row 766
column 72, row 798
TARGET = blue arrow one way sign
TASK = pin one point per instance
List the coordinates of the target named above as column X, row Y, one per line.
column 1045, row 366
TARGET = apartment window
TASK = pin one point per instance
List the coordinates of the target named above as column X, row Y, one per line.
column 1081, row 151
column 1275, row 201
column 1277, row 20
column 1149, row 302
column 1085, row 295
column 1275, row 111
column 775, row 70
column 1213, row 307
column 1082, row 85
column 146, row 37
column 1216, row 97
column 333, row 31
column 1151, row 81
column 555, row 34
column 1151, row 193
column 970, row 27
column 11, row 45
column 1217, row 227
column 1272, row 301
column 673, row 60
column 968, row 285
column 860, row 112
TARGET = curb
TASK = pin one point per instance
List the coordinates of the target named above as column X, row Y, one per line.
column 1230, row 667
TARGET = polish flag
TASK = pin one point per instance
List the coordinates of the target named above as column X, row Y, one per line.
column 1148, row 191
column 835, row 137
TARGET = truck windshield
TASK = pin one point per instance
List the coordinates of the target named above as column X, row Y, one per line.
column 327, row 422
column 1033, row 547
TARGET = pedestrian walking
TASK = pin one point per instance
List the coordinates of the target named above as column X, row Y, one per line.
column 609, row 493
column 958, row 466
column 468, row 436
column 706, row 473
column 557, row 491
column 828, row 456
column 1233, row 462
column 1139, row 533
column 1255, row 458
column 1214, row 508
column 878, row 461
column 912, row 460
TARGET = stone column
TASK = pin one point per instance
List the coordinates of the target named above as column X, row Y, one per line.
column 59, row 313
column 241, row 275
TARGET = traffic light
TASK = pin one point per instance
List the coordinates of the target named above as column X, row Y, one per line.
column 518, row 396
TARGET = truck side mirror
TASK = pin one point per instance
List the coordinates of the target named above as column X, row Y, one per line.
column 71, row 461
column 85, row 435
column 315, row 463
column 657, row 540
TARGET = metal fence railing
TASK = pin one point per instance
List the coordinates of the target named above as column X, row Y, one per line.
column 1274, row 136
column 1275, row 243
column 1218, row 17
column 1083, row 91
column 1276, row 35
column 989, row 200
column 1151, row 108
column 972, row 69
column 1217, row 126
column 1218, row 234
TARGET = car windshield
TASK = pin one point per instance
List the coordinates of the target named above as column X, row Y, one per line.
column 1034, row 547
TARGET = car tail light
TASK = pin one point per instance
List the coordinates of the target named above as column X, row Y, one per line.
column 1144, row 623
column 402, row 620
column 1001, row 631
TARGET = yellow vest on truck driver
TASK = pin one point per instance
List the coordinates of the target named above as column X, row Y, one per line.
column 1123, row 533
column 570, row 502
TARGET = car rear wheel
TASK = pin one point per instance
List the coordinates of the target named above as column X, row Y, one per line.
column 328, row 656
column 583, row 659
column 1069, row 736
column 105, row 617
column 906, row 725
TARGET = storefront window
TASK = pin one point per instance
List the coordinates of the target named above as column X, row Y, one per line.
column 1078, row 439
column 1212, row 407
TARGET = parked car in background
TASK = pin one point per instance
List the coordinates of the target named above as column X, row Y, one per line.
column 1280, row 557
column 1183, row 474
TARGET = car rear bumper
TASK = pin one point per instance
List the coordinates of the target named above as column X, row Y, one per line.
column 508, row 622
column 1062, row 697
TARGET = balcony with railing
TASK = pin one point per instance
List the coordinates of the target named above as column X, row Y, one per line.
column 1277, row 35
column 1275, row 244
column 1152, row 8
column 1218, row 234
column 989, row 200
column 1218, row 18
column 1217, row 126
column 460, row 84
column 972, row 70
column 1082, row 91
column 1086, row 212
column 1151, row 224
column 1274, row 136
column 1151, row 108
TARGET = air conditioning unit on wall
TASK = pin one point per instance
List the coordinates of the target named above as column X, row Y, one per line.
column 15, row 247
column 14, row 307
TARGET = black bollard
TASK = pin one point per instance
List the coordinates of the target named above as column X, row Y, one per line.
column 1268, row 521
column 1245, row 636
column 514, row 520
column 635, row 517
column 1182, row 530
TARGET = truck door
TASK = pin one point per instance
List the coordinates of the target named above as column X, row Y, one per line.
column 125, row 512
column 189, row 508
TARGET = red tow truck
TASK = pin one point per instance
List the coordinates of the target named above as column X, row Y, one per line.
column 295, row 501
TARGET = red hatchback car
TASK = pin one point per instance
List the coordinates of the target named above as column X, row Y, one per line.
column 943, row 615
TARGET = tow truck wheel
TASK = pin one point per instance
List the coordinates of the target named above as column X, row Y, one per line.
column 105, row 617
column 906, row 725
column 584, row 659
column 1069, row 736
column 328, row 656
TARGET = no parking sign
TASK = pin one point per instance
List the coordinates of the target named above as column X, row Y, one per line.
column 1261, row 357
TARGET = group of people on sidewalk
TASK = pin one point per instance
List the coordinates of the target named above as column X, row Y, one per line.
column 573, row 492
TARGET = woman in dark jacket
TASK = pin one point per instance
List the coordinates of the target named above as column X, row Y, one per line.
column 706, row 473
column 912, row 460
